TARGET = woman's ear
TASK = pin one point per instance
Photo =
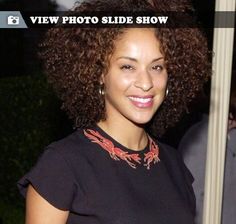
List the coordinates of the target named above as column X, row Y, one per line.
column 102, row 79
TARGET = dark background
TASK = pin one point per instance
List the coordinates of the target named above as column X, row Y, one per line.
column 30, row 115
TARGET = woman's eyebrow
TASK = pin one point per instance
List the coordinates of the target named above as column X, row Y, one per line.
column 129, row 58
column 157, row 59
column 135, row 60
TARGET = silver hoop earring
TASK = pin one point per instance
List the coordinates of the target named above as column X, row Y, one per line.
column 167, row 91
column 101, row 90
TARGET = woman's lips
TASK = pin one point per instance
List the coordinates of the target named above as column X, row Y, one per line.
column 141, row 101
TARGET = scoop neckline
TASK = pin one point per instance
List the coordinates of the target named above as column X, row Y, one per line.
column 148, row 156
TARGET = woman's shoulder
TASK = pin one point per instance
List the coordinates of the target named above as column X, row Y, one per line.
column 179, row 173
column 54, row 175
column 168, row 149
column 174, row 161
column 169, row 154
column 71, row 144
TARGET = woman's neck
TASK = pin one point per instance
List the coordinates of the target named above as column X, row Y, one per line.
column 126, row 133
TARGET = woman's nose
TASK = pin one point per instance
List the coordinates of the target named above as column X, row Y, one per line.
column 144, row 81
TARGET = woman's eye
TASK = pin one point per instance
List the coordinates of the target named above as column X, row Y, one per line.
column 126, row 67
column 157, row 67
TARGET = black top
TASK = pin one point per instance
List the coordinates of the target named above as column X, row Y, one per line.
column 80, row 175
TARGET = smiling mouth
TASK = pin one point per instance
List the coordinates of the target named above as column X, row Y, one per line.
column 141, row 102
column 140, row 99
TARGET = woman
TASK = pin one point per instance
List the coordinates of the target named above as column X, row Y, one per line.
column 114, row 84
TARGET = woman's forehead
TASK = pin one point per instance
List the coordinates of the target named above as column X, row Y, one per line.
column 137, row 41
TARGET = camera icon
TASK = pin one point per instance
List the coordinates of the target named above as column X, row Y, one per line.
column 13, row 20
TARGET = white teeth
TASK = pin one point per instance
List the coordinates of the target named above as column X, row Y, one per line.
column 140, row 100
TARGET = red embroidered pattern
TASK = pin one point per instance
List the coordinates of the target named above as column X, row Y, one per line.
column 118, row 154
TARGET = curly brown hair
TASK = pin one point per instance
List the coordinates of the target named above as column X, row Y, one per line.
column 75, row 58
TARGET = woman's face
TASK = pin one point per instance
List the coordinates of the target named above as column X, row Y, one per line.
column 135, row 83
